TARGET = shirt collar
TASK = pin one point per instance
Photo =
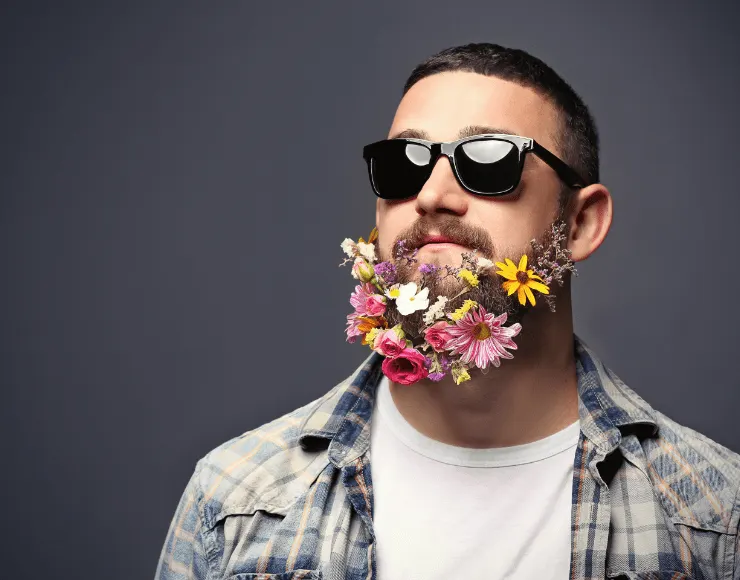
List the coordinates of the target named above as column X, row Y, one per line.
column 341, row 419
column 606, row 406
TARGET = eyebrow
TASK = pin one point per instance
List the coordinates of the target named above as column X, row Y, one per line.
column 468, row 131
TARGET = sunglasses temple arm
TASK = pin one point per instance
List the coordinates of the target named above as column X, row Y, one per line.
column 564, row 171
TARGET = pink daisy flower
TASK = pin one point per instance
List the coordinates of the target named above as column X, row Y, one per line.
column 352, row 330
column 482, row 338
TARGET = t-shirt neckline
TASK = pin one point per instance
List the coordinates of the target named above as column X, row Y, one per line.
column 539, row 450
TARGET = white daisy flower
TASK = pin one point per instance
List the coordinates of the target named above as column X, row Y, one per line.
column 409, row 300
column 436, row 310
column 367, row 251
column 393, row 292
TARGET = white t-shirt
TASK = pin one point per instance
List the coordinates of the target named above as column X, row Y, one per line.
column 443, row 512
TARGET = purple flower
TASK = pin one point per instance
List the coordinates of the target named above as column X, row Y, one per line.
column 436, row 377
column 428, row 268
column 387, row 271
column 401, row 252
column 400, row 249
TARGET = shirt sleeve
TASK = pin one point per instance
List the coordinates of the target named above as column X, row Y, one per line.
column 183, row 555
column 736, row 542
column 736, row 572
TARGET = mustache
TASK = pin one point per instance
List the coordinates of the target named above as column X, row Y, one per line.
column 458, row 232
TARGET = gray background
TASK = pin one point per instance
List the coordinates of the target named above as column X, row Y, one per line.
column 169, row 281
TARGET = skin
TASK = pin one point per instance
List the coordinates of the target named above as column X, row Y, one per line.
column 534, row 394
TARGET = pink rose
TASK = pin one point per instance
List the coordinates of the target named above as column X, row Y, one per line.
column 437, row 335
column 389, row 344
column 366, row 301
column 406, row 368
column 362, row 270
column 375, row 305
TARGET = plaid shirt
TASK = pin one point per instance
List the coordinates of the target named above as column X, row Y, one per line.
column 293, row 499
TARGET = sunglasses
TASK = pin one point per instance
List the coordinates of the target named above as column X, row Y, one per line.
column 488, row 165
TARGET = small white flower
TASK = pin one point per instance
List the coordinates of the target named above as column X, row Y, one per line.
column 367, row 251
column 409, row 301
column 436, row 310
column 483, row 264
column 348, row 247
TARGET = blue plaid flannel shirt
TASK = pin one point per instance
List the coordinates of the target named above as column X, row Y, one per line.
column 293, row 499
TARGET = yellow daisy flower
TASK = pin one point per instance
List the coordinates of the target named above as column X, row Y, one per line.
column 521, row 280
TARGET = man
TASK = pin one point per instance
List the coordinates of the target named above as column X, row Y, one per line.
column 542, row 466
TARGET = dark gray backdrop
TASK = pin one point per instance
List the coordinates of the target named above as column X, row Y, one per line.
column 160, row 261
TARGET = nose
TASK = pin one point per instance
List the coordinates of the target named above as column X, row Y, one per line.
column 442, row 193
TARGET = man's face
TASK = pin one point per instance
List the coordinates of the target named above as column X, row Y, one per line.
column 439, row 108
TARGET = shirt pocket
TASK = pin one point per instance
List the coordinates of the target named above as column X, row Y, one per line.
column 262, row 540
column 292, row 575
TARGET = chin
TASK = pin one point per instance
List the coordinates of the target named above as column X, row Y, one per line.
column 441, row 257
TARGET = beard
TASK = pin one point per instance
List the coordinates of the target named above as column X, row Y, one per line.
column 489, row 292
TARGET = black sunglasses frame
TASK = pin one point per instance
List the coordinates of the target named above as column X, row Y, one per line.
column 524, row 145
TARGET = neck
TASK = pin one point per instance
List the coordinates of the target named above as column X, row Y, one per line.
column 527, row 398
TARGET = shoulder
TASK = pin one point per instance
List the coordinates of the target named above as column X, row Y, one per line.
column 697, row 479
column 262, row 469
column 269, row 468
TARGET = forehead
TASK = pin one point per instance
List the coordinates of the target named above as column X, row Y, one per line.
column 444, row 104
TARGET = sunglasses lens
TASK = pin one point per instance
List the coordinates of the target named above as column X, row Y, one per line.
column 488, row 166
column 399, row 168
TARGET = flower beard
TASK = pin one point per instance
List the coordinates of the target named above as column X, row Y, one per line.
column 489, row 292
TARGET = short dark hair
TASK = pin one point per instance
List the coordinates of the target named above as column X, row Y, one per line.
column 578, row 139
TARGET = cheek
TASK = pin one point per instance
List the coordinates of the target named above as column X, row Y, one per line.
column 392, row 219
column 512, row 225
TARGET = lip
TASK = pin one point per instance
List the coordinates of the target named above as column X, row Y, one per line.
column 441, row 246
column 436, row 240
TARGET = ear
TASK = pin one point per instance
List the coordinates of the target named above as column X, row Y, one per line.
column 589, row 219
